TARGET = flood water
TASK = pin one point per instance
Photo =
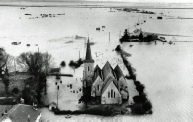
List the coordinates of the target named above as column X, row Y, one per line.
column 165, row 70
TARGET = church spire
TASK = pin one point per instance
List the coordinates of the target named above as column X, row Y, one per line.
column 88, row 58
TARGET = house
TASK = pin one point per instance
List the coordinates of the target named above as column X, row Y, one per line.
column 106, row 84
column 22, row 113
column 52, row 106
column 55, row 71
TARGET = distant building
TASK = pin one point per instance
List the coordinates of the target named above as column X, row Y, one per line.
column 52, row 106
column 106, row 84
column 55, row 71
column 22, row 113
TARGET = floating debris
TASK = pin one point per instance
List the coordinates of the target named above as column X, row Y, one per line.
column 61, row 14
column 16, row 43
column 98, row 29
column 159, row 17
column 28, row 14
column 69, row 42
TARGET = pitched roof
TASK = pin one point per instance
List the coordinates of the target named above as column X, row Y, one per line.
column 97, row 72
column 20, row 113
column 107, row 84
column 88, row 58
column 4, row 108
column 107, row 70
column 118, row 72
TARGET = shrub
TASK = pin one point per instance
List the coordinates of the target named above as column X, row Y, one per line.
column 63, row 64
column 103, row 111
column 76, row 64
column 147, row 106
column 140, row 88
column 140, row 99
column 137, row 109
column 118, row 48
column 137, row 83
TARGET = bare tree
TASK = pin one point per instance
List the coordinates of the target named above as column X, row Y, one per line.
column 4, row 73
column 37, row 65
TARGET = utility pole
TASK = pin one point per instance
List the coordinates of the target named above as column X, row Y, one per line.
column 45, row 92
column 79, row 54
column 14, row 67
column 109, row 37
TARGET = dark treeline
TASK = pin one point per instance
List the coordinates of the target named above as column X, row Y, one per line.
column 141, row 104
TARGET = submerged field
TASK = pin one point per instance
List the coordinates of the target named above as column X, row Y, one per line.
column 165, row 70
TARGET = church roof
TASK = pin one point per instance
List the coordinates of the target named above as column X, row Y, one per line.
column 107, row 70
column 88, row 58
column 118, row 72
column 97, row 72
column 105, row 86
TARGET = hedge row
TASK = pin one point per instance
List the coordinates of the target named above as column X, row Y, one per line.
column 141, row 104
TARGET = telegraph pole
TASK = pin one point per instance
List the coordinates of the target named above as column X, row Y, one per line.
column 109, row 36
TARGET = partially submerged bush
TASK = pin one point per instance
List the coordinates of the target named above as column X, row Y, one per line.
column 76, row 64
column 138, row 109
column 147, row 106
column 118, row 48
column 140, row 88
column 63, row 64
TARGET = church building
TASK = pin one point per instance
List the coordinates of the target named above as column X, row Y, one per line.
column 106, row 84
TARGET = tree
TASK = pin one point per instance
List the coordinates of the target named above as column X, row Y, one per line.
column 141, row 37
column 63, row 64
column 37, row 65
column 4, row 73
column 29, row 93
column 86, row 96
column 76, row 64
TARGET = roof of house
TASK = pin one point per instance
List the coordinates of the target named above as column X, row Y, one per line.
column 107, row 70
column 20, row 113
column 6, row 119
column 88, row 58
column 4, row 108
column 97, row 72
column 53, row 103
column 118, row 72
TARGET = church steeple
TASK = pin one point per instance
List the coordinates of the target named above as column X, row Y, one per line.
column 88, row 58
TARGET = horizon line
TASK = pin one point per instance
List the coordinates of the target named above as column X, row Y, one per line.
column 104, row 1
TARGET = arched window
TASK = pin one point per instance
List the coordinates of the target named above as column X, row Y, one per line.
column 111, row 93
column 114, row 94
column 88, row 68
column 98, row 87
column 108, row 94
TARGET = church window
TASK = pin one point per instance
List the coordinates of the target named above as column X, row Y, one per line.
column 88, row 68
column 111, row 93
column 108, row 94
column 98, row 87
column 114, row 94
